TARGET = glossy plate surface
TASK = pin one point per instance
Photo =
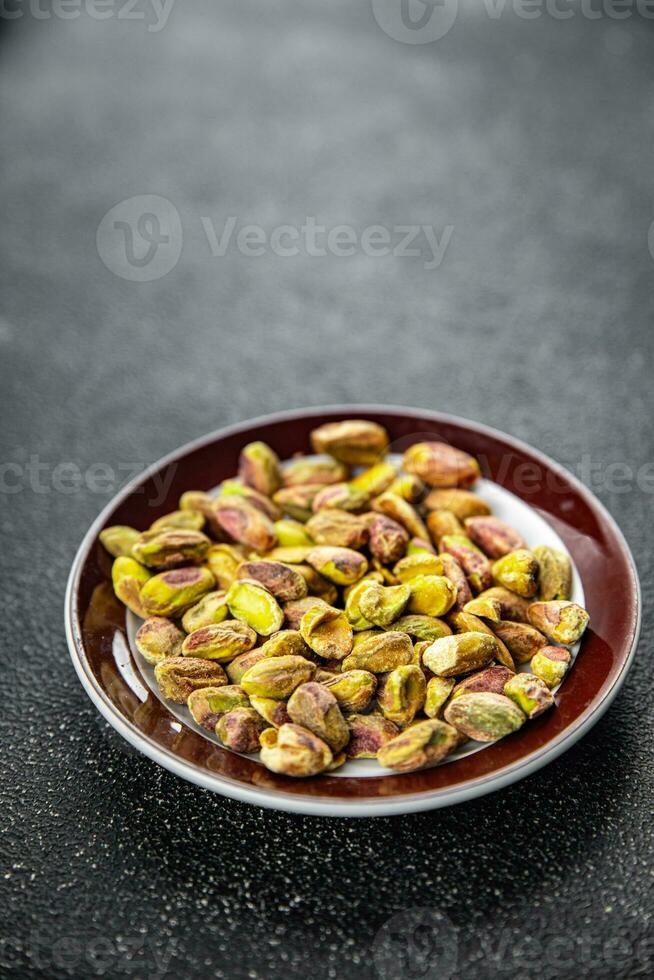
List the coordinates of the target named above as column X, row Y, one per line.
column 99, row 644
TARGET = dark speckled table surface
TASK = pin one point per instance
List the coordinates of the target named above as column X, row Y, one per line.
column 530, row 140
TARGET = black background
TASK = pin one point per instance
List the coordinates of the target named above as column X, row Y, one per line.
column 533, row 139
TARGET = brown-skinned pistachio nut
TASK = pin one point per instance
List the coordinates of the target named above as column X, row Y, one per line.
column 302, row 471
column 212, row 608
column 342, row 566
column 517, row 571
column 178, row 677
column 402, row 512
column 485, row 608
column 460, row 654
column 422, row 627
column 241, row 664
column 128, row 577
column 461, row 503
column 417, row 564
column 232, row 488
column 172, row 593
column 442, row 523
column 437, row 692
column 523, row 641
column 401, row 694
column 282, row 581
column 408, row 486
column 271, row 710
column 513, row 606
column 255, row 605
column 186, row 520
column 338, row 528
column 340, row 496
column 277, row 677
column 353, row 689
column 240, row 728
column 223, row 560
column 561, row 621
column 440, row 465
column 493, row 536
column 551, row 665
column 490, row 679
column 463, row 622
column 368, row 733
column 530, row 693
column 208, row 704
column 258, row 467
column 158, row 638
column 327, row 632
column 220, row 641
column 555, row 579
column 382, row 605
column 356, row 442
column 431, row 595
column 423, row 744
column 314, row 707
column 292, row 534
column 244, row 523
column 119, row 540
column 375, row 479
column 456, row 575
column 294, row 751
column 297, row 501
column 170, row 547
column 484, row 716
column 474, row 562
column 203, row 503
column 379, row 652
column 294, row 611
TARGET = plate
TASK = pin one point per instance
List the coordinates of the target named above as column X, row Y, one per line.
column 542, row 500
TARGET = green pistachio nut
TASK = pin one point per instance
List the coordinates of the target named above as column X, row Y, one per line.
column 258, row 467
column 327, row 632
column 353, row 689
column 340, row 496
column 277, row 677
column 353, row 613
column 245, row 523
column 417, row 564
column 208, row 704
column 286, row 643
column 314, row 707
column 342, row 566
column 422, row 627
column 530, row 693
column 220, row 641
column 409, row 487
column 401, row 694
column 442, row 523
column 551, row 665
column 382, row 605
column 555, row 580
column 158, row 638
column 282, row 581
column 368, row 733
column 463, row 622
column 421, row 745
column 452, row 570
column 294, row 555
column 294, row 751
column 170, row 548
column 461, row 503
column 297, row 501
column 485, row 608
column 256, row 606
column 128, row 577
column 440, row 465
column 185, row 520
column 418, row 546
column 517, row 571
column 178, row 677
column 354, row 441
column 474, row 562
column 223, row 560
column 240, row 728
column 431, row 595
column 402, row 512
column 119, row 540
column 460, row 654
column 484, row 716
column 490, row 679
column 522, row 641
column 561, row 621
column 375, row 479
column 493, row 536
column 294, row 611
column 437, row 692
column 379, row 652
column 172, row 593
column 338, row 528
column 302, row 471
column 212, row 608
column 271, row 710
column 292, row 534
column 231, row 488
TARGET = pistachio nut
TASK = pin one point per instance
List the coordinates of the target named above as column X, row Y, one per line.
column 208, row 704
column 418, row 546
column 354, row 441
column 368, row 733
column 417, row 564
column 301, row 471
column 440, row 465
column 294, row 611
column 232, row 488
column 172, row 593
column 512, row 606
column 158, row 638
column 317, row 585
column 338, row 528
column 128, row 578
column 551, row 665
column 198, row 500
column 522, row 641
column 401, row 694
column 555, row 580
column 327, row 632
column 186, row 520
column 517, row 571
column 436, row 694
column 245, row 523
column 456, row 575
column 401, row 511
column 408, row 486
column 220, row 641
column 295, row 555
column 484, row 716
column 170, row 547
column 388, row 539
column 485, row 608
column 294, row 751
column 353, row 613
column 286, row 643
column 474, row 562
column 340, row 496
column 421, row 745
column 343, row 566
column 561, row 621
column 381, row 605
column 422, row 627
column 119, row 540
column 212, row 608
column 490, row 679
column 460, row 654
column 178, row 677
column 271, row 710
column 282, row 581
column 431, row 595
column 530, row 693
column 493, row 536
column 314, row 707
column 252, row 603
column 241, row 664
column 292, row 534
column 239, row 729
column 297, row 501
column 441, row 523
column 461, row 503
column 277, row 677
column 258, row 467
column 379, row 652
column 375, row 479
column 464, row 622
column 223, row 560
column 353, row 689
